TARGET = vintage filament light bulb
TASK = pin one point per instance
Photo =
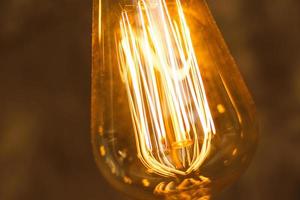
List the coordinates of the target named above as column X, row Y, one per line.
column 171, row 115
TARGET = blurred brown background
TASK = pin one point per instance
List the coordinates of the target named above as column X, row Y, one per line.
column 45, row 60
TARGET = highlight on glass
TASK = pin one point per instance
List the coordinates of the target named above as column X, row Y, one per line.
column 171, row 115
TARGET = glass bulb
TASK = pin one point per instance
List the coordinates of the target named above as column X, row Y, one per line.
column 171, row 115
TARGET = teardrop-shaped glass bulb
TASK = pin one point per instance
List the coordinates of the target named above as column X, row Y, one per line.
column 171, row 115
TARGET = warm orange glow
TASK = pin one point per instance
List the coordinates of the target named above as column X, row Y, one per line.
column 171, row 116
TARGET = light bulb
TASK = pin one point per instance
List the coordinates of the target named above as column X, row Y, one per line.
column 171, row 115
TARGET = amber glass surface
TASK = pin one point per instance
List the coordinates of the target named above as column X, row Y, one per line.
column 171, row 115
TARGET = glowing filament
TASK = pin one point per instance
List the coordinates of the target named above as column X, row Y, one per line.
column 171, row 116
